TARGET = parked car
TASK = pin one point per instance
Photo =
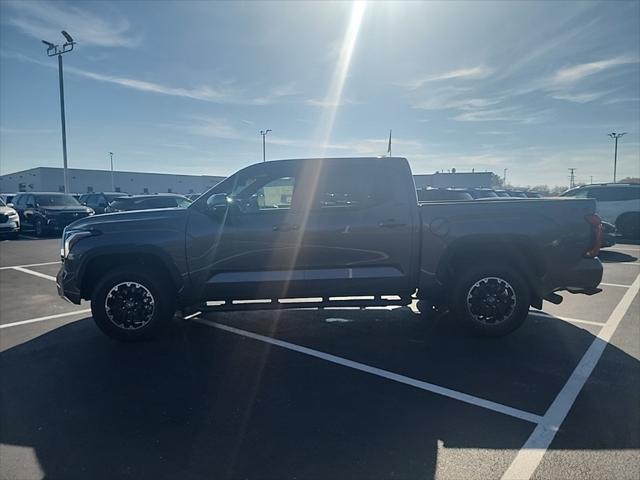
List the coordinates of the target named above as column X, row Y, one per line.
column 260, row 234
column 100, row 201
column 7, row 197
column 502, row 193
column 147, row 202
column 478, row 193
column 609, row 234
column 48, row 212
column 517, row 194
column 438, row 194
column 9, row 221
column 617, row 203
column 530, row 194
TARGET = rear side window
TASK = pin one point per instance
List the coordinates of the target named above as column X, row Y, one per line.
column 341, row 186
column 615, row 194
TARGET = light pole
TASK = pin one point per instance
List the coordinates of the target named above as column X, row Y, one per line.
column 504, row 177
column 615, row 136
column 113, row 185
column 264, row 134
column 58, row 50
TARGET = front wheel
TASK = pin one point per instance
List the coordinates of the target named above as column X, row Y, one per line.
column 39, row 227
column 132, row 303
column 490, row 300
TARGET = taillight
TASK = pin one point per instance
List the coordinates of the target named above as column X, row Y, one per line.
column 596, row 222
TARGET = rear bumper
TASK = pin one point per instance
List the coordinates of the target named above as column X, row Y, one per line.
column 66, row 282
column 584, row 277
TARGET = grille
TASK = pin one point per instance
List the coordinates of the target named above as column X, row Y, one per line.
column 3, row 218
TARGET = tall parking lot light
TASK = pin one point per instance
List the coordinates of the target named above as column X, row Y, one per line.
column 53, row 50
column 113, row 185
column 264, row 134
column 615, row 136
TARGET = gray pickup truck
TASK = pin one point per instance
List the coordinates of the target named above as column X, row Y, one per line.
column 327, row 228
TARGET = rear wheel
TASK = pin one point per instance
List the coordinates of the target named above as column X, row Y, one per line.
column 628, row 225
column 132, row 303
column 490, row 299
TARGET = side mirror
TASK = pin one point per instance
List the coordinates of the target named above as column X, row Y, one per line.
column 218, row 202
column 10, row 205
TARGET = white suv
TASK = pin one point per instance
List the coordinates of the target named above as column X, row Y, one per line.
column 617, row 203
column 9, row 220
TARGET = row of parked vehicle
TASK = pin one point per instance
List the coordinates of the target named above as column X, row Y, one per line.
column 431, row 194
column 50, row 212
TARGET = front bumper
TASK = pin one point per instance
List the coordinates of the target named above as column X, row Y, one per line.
column 67, row 284
column 9, row 227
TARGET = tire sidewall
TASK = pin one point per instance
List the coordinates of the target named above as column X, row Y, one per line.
column 39, row 228
column 163, row 303
column 460, row 308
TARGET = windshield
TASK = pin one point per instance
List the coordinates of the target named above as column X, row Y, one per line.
column 56, row 201
column 2, row 204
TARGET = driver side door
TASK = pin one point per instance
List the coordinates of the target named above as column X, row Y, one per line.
column 251, row 249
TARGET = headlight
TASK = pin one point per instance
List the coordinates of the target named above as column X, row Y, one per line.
column 69, row 238
column 12, row 214
column 90, row 211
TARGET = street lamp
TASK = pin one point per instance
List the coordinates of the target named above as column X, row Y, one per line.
column 615, row 136
column 113, row 186
column 264, row 134
column 53, row 50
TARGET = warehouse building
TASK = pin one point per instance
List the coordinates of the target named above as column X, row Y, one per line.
column 49, row 179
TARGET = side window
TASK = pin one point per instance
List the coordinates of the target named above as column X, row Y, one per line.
column 19, row 200
column 276, row 194
column 603, row 194
column 30, row 201
column 90, row 200
column 266, row 191
column 581, row 193
column 342, row 187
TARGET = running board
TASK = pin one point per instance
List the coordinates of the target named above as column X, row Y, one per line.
column 294, row 303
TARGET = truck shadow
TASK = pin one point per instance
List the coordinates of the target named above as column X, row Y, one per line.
column 609, row 256
column 202, row 403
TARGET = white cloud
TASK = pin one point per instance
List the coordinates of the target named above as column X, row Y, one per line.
column 575, row 73
column 471, row 73
column 583, row 97
column 513, row 114
column 222, row 95
column 45, row 20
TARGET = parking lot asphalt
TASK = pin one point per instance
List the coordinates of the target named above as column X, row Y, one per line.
column 333, row 393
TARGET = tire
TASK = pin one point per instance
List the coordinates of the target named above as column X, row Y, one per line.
column 132, row 303
column 39, row 228
column 490, row 300
column 628, row 224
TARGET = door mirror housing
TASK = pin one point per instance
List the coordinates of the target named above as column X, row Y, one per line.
column 10, row 205
column 218, row 202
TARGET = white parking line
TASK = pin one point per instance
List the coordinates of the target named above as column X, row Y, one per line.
column 42, row 319
column 430, row 387
column 626, row 249
column 566, row 319
column 34, row 273
column 614, row 285
column 30, row 265
column 530, row 456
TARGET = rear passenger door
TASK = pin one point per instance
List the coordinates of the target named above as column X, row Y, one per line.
column 358, row 232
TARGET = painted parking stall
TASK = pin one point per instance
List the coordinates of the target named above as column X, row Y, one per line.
column 347, row 393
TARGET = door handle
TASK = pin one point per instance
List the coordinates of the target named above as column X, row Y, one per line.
column 285, row 227
column 391, row 223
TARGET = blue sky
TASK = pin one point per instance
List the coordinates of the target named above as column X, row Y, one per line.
column 185, row 87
